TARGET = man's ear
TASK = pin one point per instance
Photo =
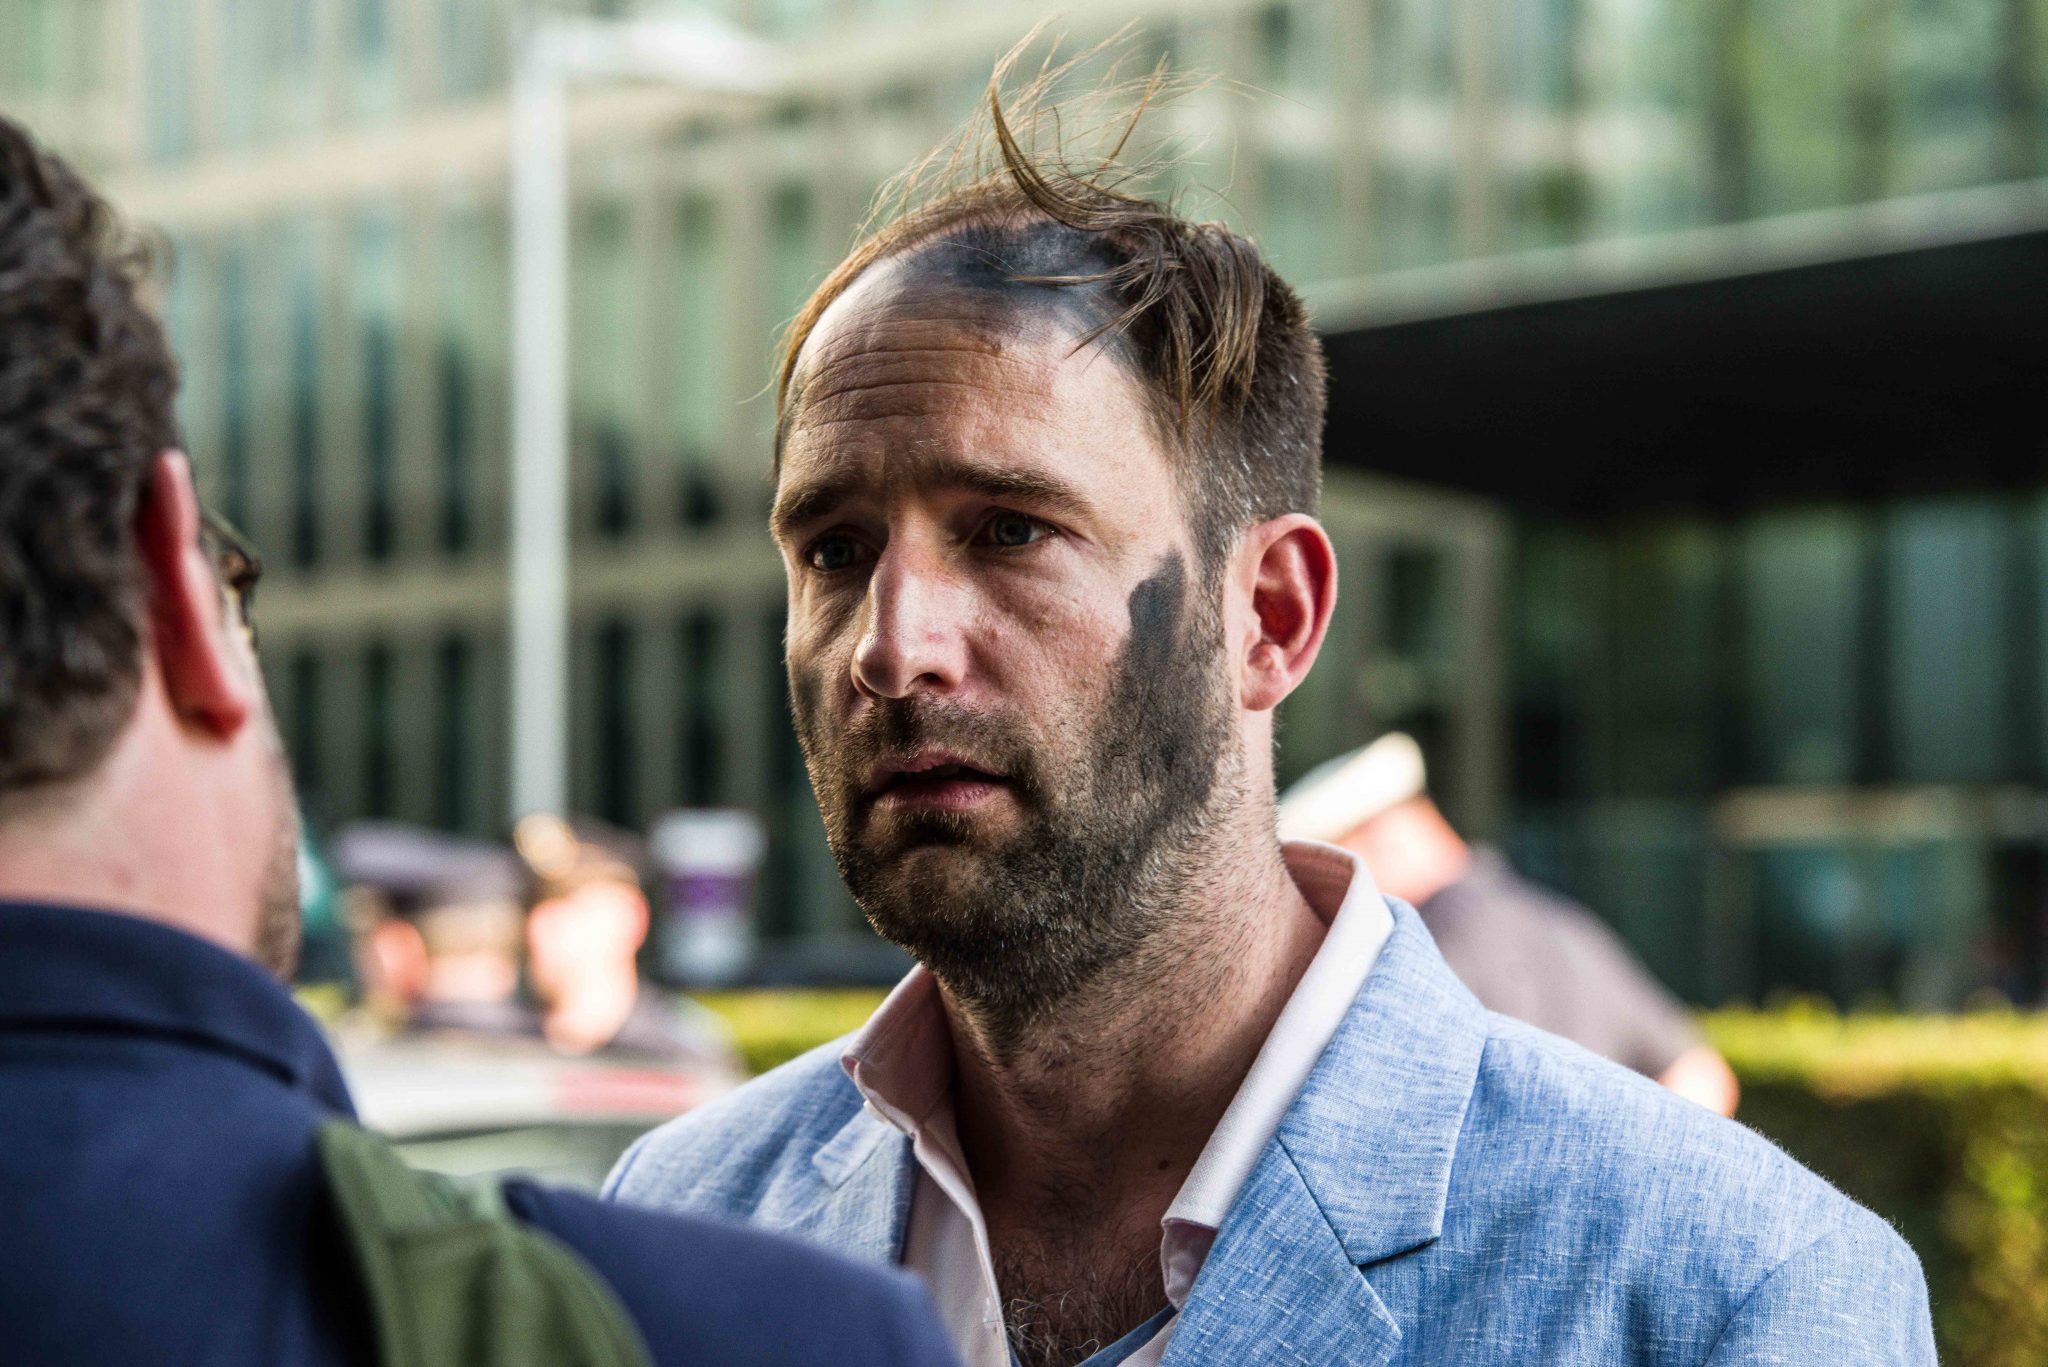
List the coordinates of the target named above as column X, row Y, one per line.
column 1293, row 573
column 189, row 632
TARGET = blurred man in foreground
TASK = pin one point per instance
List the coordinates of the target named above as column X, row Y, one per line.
column 1163, row 1090
column 1524, row 952
column 161, row 1097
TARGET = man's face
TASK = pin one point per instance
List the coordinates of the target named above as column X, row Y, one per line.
column 1005, row 660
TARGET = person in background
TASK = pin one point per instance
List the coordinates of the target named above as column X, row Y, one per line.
column 439, row 925
column 589, row 922
column 1525, row 952
column 163, row 1101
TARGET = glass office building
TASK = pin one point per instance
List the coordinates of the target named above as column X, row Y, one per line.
column 1786, row 734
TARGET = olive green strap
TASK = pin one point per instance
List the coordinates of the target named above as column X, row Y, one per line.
column 455, row 1281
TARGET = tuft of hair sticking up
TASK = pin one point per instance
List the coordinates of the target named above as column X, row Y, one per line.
column 1221, row 345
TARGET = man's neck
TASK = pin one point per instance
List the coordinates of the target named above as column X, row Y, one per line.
column 1111, row 1099
column 109, row 842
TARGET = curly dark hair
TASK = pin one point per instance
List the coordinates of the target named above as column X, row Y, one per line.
column 87, row 387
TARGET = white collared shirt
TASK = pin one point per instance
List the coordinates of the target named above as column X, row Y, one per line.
column 902, row 1062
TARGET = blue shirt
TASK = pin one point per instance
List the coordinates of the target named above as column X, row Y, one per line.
column 162, row 1203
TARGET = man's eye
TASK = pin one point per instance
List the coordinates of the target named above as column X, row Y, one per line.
column 833, row 552
column 1010, row 530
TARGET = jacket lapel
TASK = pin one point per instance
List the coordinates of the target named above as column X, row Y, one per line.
column 1278, row 1287
column 856, row 1200
column 1358, row 1173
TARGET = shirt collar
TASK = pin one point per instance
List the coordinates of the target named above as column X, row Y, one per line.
column 902, row 1059
column 75, row 967
column 1338, row 888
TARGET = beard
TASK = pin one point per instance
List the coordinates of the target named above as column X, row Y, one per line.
column 1111, row 802
column 279, row 918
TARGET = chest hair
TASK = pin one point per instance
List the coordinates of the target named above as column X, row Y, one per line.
column 1074, row 1292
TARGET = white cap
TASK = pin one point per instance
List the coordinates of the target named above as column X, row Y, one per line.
column 1334, row 799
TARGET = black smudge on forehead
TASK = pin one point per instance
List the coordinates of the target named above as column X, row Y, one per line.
column 1004, row 277
column 1021, row 271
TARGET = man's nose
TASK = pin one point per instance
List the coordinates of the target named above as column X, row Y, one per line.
column 915, row 638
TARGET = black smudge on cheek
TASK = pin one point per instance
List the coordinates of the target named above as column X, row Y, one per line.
column 1161, row 732
column 1156, row 606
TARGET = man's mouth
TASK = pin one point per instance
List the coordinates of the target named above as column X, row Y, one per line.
column 933, row 781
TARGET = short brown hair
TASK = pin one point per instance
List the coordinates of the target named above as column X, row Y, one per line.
column 87, row 388
column 1219, row 342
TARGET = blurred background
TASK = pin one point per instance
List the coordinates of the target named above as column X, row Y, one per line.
column 1685, row 462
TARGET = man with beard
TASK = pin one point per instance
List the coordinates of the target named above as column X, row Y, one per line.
column 1162, row 1089
column 161, row 1097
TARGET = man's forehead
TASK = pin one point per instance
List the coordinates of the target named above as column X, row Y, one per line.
column 887, row 318
column 898, row 363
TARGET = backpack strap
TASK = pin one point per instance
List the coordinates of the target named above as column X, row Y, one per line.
column 455, row 1281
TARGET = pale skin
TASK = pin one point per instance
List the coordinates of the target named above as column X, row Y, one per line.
column 964, row 511
column 180, row 822
column 1414, row 854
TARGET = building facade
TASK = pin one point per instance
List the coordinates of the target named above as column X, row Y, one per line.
column 330, row 178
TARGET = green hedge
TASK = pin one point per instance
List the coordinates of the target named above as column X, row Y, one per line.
column 1938, row 1123
column 772, row 1028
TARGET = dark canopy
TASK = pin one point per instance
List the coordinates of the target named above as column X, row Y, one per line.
column 1905, row 371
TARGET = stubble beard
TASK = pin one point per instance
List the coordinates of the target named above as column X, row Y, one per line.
column 1113, row 806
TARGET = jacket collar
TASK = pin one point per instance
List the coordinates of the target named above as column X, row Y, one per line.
column 1358, row 1173
column 70, row 967
column 869, row 1173
column 1375, row 1129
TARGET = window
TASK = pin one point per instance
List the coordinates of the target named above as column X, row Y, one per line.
column 1949, row 610
column 379, row 756
column 699, row 369
column 377, row 302
column 235, row 399
column 703, row 751
column 380, row 437
column 605, row 307
column 372, row 28
column 454, row 384
column 616, row 746
column 305, row 417
column 305, row 724
column 167, row 79
column 1801, row 611
column 456, row 806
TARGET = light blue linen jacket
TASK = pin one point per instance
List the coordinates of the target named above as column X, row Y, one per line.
column 1450, row 1187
